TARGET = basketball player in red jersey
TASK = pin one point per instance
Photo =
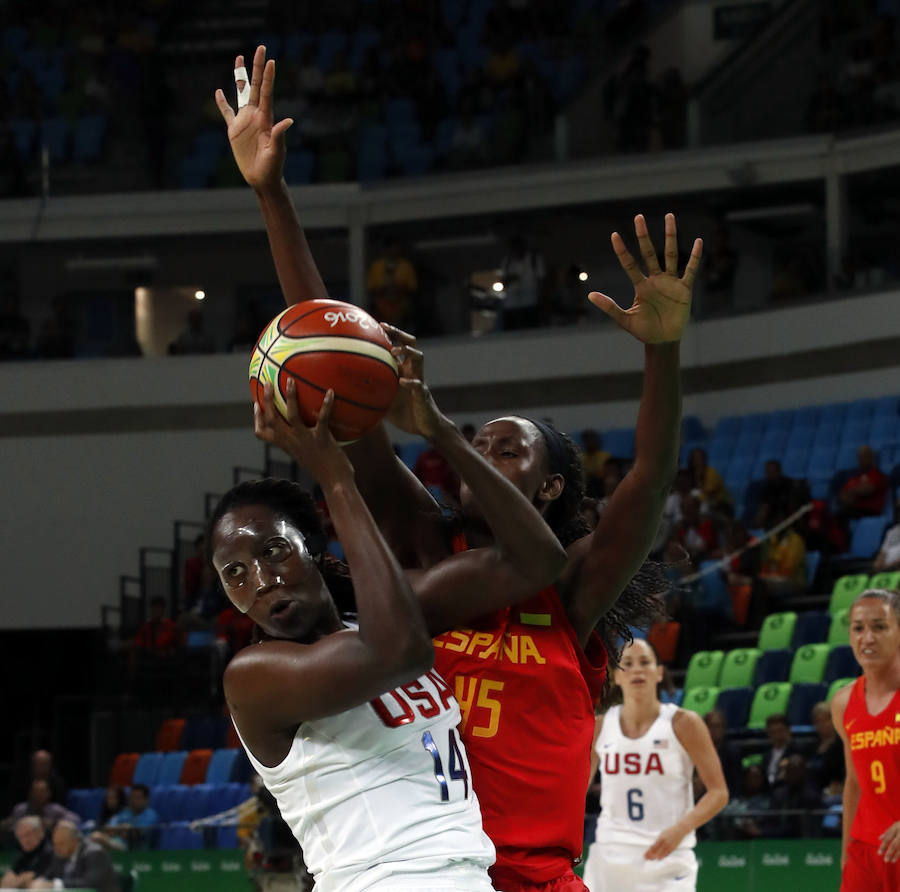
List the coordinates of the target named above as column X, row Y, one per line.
column 528, row 677
column 867, row 716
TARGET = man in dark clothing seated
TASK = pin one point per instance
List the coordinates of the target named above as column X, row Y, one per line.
column 77, row 863
column 795, row 794
column 37, row 852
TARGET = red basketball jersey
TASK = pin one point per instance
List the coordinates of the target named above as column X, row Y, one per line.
column 875, row 745
column 527, row 691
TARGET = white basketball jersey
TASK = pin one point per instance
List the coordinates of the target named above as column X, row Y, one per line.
column 646, row 783
column 382, row 791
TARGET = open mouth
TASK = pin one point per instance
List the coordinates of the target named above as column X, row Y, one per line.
column 281, row 608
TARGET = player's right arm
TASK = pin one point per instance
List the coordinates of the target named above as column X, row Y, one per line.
column 276, row 685
column 595, row 756
column 851, row 783
column 403, row 509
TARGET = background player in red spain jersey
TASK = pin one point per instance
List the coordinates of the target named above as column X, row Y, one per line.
column 526, row 677
column 867, row 716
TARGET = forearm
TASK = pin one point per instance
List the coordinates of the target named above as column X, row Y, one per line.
column 297, row 271
column 389, row 616
column 706, row 808
column 659, row 416
column 520, row 533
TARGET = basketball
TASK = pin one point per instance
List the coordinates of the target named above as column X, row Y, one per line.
column 324, row 344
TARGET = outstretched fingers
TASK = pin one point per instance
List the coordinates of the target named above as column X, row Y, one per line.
column 223, row 106
column 648, row 252
column 256, row 77
column 693, row 264
column 324, row 418
column 626, row 261
column 671, row 248
column 267, row 87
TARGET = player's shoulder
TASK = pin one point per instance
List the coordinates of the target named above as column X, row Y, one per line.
column 686, row 723
column 841, row 699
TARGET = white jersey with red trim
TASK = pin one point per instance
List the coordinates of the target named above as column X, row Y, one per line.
column 646, row 783
column 380, row 796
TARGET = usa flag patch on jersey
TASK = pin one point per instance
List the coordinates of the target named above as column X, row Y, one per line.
column 661, row 744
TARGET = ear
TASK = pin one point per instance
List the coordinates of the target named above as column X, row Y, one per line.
column 552, row 487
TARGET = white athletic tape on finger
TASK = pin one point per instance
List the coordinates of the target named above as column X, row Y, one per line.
column 243, row 93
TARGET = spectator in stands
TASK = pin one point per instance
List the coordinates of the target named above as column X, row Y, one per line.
column 707, row 481
column 194, row 338
column 158, row 636
column 114, row 800
column 864, row 493
column 743, row 566
column 782, row 572
column 696, row 533
column 193, row 568
column 206, row 604
column 131, row 824
column 37, row 852
column 776, row 495
column 234, row 630
column 392, row 284
column 77, row 863
column 728, row 751
column 888, row 557
column 795, row 792
column 522, row 272
column 744, row 810
column 594, row 460
column 468, row 143
column 781, row 745
column 41, row 765
column 40, row 804
column 825, row 759
column 432, row 469
column 671, row 516
column 15, row 330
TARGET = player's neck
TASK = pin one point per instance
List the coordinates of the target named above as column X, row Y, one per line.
column 640, row 711
column 883, row 680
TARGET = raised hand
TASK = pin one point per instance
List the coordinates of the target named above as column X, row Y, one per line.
column 257, row 145
column 662, row 301
column 313, row 447
column 413, row 410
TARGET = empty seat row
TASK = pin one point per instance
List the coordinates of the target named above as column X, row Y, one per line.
column 196, row 732
column 180, row 767
column 752, row 667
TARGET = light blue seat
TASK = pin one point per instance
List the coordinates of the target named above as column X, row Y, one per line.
column 170, row 770
column 147, row 768
column 221, row 765
column 821, row 461
column 800, row 438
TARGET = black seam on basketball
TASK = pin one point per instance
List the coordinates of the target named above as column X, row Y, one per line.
column 345, row 353
column 337, row 396
column 302, row 316
column 334, row 334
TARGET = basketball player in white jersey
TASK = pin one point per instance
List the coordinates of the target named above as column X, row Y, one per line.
column 646, row 752
column 347, row 726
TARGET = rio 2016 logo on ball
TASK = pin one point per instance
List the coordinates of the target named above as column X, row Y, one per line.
column 324, row 344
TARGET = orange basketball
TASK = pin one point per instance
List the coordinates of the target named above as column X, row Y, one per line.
column 324, row 344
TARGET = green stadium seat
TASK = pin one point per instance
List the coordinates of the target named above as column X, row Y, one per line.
column 777, row 630
column 885, row 580
column 846, row 590
column 836, row 685
column 839, row 630
column 809, row 663
column 738, row 667
column 700, row 699
column 769, row 699
column 703, row 669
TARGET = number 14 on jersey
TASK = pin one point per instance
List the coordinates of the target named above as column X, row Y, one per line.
column 457, row 769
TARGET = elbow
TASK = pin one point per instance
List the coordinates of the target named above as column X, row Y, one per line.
column 416, row 656
column 721, row 799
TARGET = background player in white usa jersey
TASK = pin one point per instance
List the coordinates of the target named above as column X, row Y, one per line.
column 646, row 752
column 377, row 793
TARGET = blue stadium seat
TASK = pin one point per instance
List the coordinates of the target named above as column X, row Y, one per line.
column 772, row 444
column 782, row 420
column 335, row 549
column 221, row 765
column 887, row 406
column 410, row 452
column 813, row 559
column 856, row 433
column 204, row 732
column 226, row 837
column 829, row 435
column 859, row 410
column 811, row 627
column 147, row 768
column 867, row 536
column 720, row 450
column 821, row 462
column 179, row 835
column 747, row 444
column 804, row 695
column 833, row 413
column 619, row 442
column 800, row 438
column 86, row 802
column 737, row 475
column 841, row 664
column 198, row 639
column 715, row 597
column 806, row 418
column 846, row 458
column 820, row 486
column 692, row 428
column 728, row 427
column 795, row 463
column 773, row 665
column 735, row 704
column 170, row 770
column 754, row 424
column 169, row 802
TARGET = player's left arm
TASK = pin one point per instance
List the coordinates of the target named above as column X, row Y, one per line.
column 693, row 735
column 595, row 756
column 601, row 564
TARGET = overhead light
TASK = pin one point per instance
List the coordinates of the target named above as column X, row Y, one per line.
column 583, row 276
column 199, row 295
column 497, row 286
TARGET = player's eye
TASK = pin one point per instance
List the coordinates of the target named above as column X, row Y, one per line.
column 233, row 573
column 277, row 550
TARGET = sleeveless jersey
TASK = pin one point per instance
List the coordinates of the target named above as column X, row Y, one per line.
column 875, row 748
column 646, row 783
column 382, row 791
column 527, row 693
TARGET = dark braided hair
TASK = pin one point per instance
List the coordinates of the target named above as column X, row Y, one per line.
column 643, row 600
column 290, row 500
